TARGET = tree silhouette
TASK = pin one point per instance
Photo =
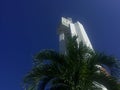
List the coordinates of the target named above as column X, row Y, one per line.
column 76, row 70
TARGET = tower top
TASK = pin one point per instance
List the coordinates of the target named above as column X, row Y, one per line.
column 66, row 21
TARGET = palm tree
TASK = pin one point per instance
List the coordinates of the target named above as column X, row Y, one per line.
column 76, row 70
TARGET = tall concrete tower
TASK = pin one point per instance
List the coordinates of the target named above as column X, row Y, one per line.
column 67, row 28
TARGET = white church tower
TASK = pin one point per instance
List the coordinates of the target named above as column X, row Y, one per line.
column 66, row 28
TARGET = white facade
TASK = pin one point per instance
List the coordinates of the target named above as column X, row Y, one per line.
column 66, row 28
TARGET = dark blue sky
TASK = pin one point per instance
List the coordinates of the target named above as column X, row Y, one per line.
column 27, row 26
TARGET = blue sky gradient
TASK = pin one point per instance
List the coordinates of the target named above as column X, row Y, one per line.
column 28, row 26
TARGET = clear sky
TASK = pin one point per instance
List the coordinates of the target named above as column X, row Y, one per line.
column 28, row 26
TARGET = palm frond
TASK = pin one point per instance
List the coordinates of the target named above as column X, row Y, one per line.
column 51, row 55
column 108, row 81
column 105, row 59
